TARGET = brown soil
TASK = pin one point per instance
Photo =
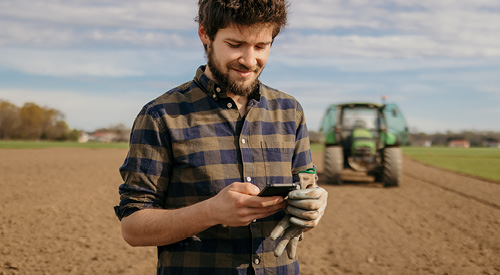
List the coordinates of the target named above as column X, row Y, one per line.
column 56, row 217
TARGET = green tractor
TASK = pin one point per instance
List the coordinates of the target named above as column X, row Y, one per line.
column 364, row 137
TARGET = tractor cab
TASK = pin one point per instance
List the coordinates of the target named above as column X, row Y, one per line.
column 364, row 137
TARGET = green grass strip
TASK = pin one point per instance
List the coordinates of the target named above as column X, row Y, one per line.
column 11, row 144
column 478, row 162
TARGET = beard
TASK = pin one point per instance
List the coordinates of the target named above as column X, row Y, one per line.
column 237, row 87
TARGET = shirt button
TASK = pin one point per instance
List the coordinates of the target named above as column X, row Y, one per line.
column 256, row 261
column 217, row 89
column 229, row 105
column 243, row 141
column 249, row 179
column 214, row 96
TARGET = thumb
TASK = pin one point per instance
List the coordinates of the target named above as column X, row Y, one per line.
column 245, row 188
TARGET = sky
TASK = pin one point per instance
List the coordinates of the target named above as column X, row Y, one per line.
column 100, row 61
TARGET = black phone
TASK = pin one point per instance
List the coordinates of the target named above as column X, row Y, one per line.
column 278, row 189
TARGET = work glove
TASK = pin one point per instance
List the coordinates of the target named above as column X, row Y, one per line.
column 305, row 208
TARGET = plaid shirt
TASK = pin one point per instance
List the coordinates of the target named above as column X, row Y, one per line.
column 190, row 143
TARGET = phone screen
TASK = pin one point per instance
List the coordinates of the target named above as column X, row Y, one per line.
column 277, row 189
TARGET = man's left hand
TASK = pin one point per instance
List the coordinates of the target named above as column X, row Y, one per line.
column 307, row 206
column 304, row 211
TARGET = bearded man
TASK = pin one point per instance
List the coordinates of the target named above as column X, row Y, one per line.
column 200, row 154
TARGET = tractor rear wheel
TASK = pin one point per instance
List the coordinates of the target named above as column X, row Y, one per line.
column 333, row 163
column 393, row 168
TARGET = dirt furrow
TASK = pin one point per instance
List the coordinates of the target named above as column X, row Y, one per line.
column 485, row 192
column 56, row 217
column 475, row 218
column 417, row 228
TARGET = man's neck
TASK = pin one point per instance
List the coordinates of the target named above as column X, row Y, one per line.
column 241, row 102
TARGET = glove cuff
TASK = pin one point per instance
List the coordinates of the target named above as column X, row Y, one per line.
column 308, row 178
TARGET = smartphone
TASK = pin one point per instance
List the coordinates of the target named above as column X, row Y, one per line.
column 278, row 189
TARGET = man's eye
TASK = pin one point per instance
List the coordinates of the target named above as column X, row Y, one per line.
column 233, row 45
column 261, row 47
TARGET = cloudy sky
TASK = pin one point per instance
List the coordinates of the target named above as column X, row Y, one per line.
column 100, row 61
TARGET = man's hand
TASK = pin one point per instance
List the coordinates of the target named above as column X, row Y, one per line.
column 238, row 205
column 307, row 206
column 304, row 211
column 290, row 239
column 235, row 205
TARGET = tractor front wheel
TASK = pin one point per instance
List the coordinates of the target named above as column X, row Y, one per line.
column 393, row 168
column 333, row 163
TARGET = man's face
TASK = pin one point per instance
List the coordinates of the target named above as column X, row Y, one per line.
column 237, row 56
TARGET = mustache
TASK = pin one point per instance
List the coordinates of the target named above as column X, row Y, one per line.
column 239, row 67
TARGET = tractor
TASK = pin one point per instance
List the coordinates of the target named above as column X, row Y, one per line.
column 364, row 137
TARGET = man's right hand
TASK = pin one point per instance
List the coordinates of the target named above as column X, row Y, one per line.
column 235, row 205
column 239, row 205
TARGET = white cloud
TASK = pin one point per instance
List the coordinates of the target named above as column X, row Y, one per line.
column 69, row 63
column 391, row 28
column 177, row 14
column 474, row 74
column 491, row 90
column 393, row 14
column 409, row 49
column 329, row 14
column 108, row 63
column 51, row 23
column 388, row 46
column 367, row 29
column 31, row 36
column 380, row 65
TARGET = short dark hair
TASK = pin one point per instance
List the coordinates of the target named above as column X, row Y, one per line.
column 218, row 14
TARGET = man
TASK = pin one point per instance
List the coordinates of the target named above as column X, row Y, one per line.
column 200, row 153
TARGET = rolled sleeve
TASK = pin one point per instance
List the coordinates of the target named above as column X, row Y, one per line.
column 302, row 159
column 132, row 200
column 145, row 171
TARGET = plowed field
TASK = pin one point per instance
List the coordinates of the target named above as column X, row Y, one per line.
column 56, row 217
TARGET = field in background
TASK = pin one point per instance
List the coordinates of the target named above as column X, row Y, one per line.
column 9, row 144
column 479, row 162
column 483, row 163
column 56, row 217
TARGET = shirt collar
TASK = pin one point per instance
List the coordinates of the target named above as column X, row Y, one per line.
column 213, row 90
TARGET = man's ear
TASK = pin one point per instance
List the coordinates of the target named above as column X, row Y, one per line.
column 202, row 33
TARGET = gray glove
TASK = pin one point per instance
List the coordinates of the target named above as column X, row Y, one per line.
column 307, row 206
column 305, row 209
column 290, row 239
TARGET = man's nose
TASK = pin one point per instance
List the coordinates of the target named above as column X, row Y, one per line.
column 248, row 58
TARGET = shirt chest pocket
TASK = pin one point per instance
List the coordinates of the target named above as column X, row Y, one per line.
column 273, row 161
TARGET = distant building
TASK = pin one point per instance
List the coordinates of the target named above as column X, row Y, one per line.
column 422, row 142
column 459, row 143
column 103, row 136
column 83, row 137
column 491, row 144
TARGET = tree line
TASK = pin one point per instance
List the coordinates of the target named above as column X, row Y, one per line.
column 475, row 138
column 33, row 122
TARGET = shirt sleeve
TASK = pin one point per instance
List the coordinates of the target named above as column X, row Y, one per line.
column 147, row 167
column 302, row 158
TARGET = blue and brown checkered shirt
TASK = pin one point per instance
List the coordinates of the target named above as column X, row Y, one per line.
column 190, row 143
